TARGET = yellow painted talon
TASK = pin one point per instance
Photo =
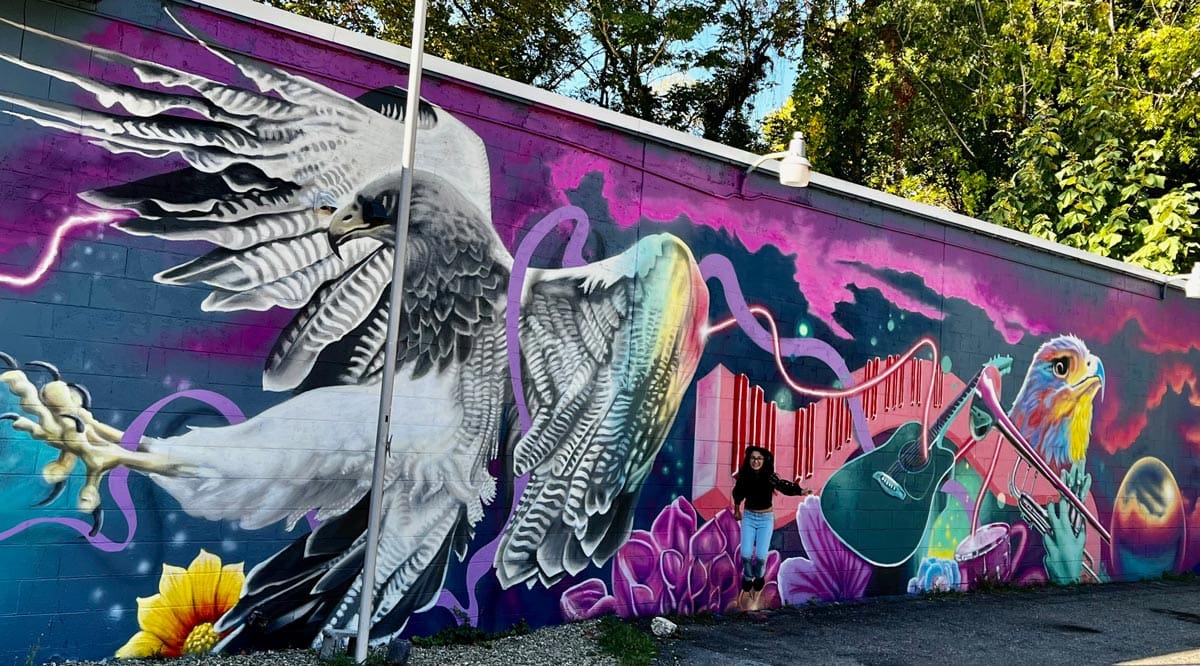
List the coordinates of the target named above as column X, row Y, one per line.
column 89, row 498
column 59, row 415
column 62, row 398
column 60, row 469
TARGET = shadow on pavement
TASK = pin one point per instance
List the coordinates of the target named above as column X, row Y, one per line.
column 1138, row 623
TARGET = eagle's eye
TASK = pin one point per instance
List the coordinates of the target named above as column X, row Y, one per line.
column 1061, row 366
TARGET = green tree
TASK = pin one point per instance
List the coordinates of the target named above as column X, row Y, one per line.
column 532, row 41
column 620, row 54
column 1073, row 120
column 746, row 38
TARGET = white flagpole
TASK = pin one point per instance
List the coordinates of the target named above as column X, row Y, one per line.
column 383, row 431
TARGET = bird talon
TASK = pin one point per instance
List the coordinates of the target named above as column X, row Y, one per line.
column 97, row 521
column 55, row 492
column 9, row 361
column 79, row 425
column 89, row 499
column 85, row 395
column 10, row 416
column 54, row 373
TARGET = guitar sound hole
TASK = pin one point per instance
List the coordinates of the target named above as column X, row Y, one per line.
column 910, row 458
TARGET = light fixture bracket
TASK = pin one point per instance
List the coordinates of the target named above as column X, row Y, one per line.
column 1191, row 282
column 794, row 169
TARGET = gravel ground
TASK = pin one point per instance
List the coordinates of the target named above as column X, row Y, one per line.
column 567, row 644
column 573, row 644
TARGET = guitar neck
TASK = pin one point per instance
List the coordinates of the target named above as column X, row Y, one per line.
column 939, row 427
column 990, row 398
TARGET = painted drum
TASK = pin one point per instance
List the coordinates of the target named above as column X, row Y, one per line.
column 988, row 554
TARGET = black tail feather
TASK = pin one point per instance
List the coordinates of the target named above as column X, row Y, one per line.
column 281, row 606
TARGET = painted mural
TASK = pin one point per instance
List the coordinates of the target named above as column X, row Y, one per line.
column 624, row 386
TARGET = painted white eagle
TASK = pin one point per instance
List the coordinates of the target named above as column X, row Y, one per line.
column 607, row 349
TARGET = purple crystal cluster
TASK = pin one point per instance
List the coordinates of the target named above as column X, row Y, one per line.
column 676, row 567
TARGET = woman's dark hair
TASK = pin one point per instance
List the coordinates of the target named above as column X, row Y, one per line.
column 768, row 466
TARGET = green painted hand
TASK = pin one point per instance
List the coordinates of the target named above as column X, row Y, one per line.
column 1065, row 544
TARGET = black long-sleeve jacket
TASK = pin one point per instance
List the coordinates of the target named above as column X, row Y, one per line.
column 757, row 488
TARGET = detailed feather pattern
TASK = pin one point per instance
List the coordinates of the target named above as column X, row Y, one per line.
column 608, row 351
column 296, row 186
column 287, row 598
column 258, row 159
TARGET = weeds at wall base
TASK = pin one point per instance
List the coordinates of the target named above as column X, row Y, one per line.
column 466, row 634
column 31, row 656
column 625, row 641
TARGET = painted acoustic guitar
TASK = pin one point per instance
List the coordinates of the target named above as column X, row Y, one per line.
column 880, row 504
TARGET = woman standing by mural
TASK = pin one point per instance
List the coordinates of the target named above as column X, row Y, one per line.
column 756, row 484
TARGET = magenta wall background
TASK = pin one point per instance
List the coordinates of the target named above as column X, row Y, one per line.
column 867, row 281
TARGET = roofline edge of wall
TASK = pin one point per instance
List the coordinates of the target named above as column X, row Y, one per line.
column 375, row 47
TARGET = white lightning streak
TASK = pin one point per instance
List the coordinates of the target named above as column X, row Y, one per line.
column 52, row 249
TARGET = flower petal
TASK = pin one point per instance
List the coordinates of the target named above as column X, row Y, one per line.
column 708, row 541
column 157, row 617
column 799, row 581
column 698, row 580
column 143, row 645
column 773, row 562
column 586, row 600
column 836, row 572
column 636, row 563
column 730, row 529
column 177, row 596
column 770, row 596
column 726, row 578
column 204, row 575
column 673, row 570
column 233, row 579
column 645, row 601
column 675, row 525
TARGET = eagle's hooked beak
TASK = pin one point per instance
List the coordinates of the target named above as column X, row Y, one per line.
column 342, row 227
column 1095, row 372
column 1098, row 371
column 360, row 218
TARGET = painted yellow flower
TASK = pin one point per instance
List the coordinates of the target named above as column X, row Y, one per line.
column 179, row 619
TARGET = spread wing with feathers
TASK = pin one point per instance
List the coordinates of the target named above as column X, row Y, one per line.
column 262, row 161
column 608, row 351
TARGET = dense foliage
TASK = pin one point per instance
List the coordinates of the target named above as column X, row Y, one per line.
column 691, row 64
column 1074, row 120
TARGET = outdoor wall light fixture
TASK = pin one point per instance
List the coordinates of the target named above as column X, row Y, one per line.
column 795, row 168
column 1191, row 286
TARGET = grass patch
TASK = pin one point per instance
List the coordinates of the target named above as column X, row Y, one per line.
column 465, row 634
column 31, row 656
column 937, row 594
column 632, row 646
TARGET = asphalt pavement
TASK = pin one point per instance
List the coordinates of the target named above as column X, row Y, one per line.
column 1153, row 622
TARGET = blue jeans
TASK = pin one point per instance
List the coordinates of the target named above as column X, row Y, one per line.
column 756, row 541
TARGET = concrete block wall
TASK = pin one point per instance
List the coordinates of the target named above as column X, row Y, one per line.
column 593, row 309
